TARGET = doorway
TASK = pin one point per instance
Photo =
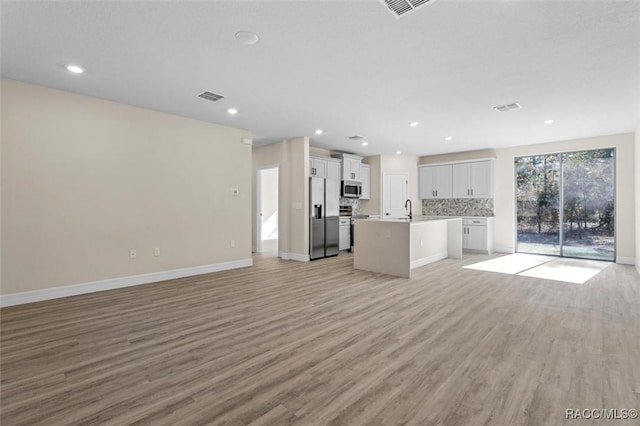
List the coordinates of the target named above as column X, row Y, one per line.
column 565, row 204
column 267, row 210
column 394, row 194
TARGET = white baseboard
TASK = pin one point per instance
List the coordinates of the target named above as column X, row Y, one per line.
column 113, row 283
column 505, row 250
column 625, row 260
column 426, row 260
column 294, row 256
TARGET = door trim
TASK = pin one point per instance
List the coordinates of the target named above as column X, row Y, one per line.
column 258, row 183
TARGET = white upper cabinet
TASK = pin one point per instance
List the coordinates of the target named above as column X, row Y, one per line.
column 350, row 166
column 434, row 181
column 365, row 175
column 473, row 180
column 317, row 167
column 333, row 169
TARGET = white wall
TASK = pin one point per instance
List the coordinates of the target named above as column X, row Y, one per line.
column 84, row 180
column 292, row 157
column 504, row 185
column 372, row 205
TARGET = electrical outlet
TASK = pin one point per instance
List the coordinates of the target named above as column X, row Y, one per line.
column 133, row 254
column 156, row 251
column 232, row 243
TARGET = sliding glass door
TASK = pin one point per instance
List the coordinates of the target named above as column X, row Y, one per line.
column 565, row 204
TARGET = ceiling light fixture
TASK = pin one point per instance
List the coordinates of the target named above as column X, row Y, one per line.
column 75, row 69
column 413, row 124
column 365, row 143
column 398, row 152
column 448, row 138
column 548, row 121
column 232, row 111
column 247, row 37
column 319, row 132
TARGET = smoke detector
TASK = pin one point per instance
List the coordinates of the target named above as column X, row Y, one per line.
column 400, row 8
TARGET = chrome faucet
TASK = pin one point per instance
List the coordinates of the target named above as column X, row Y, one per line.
column 410, row 208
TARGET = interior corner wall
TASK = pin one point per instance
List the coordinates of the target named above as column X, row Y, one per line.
column 85, row 180
column 292, row 158
column 637, row 191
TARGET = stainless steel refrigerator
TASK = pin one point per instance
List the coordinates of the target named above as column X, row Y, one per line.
column 324, row 201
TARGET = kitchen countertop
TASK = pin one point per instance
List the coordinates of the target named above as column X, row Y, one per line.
column 417, row 219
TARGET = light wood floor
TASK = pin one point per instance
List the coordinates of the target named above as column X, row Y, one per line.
column 319, row 343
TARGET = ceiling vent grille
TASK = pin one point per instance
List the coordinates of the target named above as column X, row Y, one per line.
column 400, row 8
column 210, row 96
column 508, row 107
column 356, row 138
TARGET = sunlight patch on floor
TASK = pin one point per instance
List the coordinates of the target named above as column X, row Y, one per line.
column 511, row 264
column 577, row 271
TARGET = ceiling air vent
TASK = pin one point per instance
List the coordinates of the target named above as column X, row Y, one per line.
column 399, row 8
column 508, row 107
column 356, row 138
column 210, row 96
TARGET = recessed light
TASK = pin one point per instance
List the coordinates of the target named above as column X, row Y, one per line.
column 365, row 143
column 319, row 132
column 232, row 111
column 413, row 124
column 398, row 152
column 548, row 121
column 75, row 69
column 448, row 138
column 247, row 37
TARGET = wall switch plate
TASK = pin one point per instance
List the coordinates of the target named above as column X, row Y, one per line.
column 133, row 254
column 232, row 243
column 235, row 192
column 156, row 251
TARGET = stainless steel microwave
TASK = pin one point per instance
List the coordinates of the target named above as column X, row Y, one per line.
column 351, row 189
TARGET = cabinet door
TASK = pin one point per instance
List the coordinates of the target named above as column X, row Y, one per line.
column 442, row 181
column 317, row 167
column 426, row 183
column 476, row 238
column 333, row 170
column 355, row 169
column 480, row 179
column 345, row 238
column 365, row 175
column 460, row 181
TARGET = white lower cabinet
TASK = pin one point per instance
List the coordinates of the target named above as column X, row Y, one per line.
column 345, row 234
column 477, row 234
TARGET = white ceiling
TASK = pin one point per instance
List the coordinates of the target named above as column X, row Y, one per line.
column 348, row 67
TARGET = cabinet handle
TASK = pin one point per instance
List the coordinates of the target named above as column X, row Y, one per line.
column 468, row 191
column 471, row 191
column 436, row 192
column 433, row 193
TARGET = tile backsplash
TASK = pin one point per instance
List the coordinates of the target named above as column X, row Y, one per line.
column 458, row 207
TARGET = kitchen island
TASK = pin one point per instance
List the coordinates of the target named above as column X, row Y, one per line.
column 396, row 246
